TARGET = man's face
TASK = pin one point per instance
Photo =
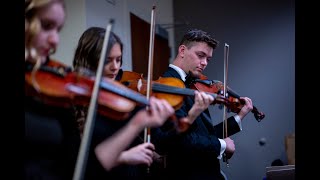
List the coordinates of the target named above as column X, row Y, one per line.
column 197, row 57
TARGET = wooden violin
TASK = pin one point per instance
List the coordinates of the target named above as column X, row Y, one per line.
column 233, row 101
column 55, row 84
column 169, row 88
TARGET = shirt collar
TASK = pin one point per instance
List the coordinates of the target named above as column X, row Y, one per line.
column 182, row 74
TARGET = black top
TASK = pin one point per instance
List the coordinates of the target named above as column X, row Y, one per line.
column 191, row 154
column 51, row 141
column 104, row 128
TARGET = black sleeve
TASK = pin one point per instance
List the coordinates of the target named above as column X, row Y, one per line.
column 197, row 139
column 232, row 128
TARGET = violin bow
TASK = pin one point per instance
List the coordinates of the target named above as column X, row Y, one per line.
column 225, row 77
column 86, row 138
column 147, row 130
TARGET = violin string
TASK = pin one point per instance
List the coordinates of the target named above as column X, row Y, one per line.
column 158, row 87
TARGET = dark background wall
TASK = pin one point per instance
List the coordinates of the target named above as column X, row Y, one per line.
column 261, row 36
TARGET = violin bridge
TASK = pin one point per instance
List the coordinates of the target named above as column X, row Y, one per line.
column 139, row 85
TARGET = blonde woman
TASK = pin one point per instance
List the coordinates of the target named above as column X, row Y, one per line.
column 51, row 137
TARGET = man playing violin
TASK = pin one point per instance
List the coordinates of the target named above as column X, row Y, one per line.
column 196, row 153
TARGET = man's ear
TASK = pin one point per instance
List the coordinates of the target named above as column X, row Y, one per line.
column 182, row 48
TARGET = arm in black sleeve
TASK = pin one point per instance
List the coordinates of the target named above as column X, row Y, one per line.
column 197, row 139
column 232, row 127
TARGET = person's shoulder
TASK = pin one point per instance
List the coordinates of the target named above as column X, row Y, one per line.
column 170, row 72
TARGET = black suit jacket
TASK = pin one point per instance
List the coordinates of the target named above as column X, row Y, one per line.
column 191, row 154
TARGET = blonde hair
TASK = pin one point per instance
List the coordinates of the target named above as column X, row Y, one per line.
column 32, row 22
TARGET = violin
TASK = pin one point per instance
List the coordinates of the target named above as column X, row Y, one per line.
column 136, row 82
column 55, row 84
column 169, row 88
column 233, row 101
